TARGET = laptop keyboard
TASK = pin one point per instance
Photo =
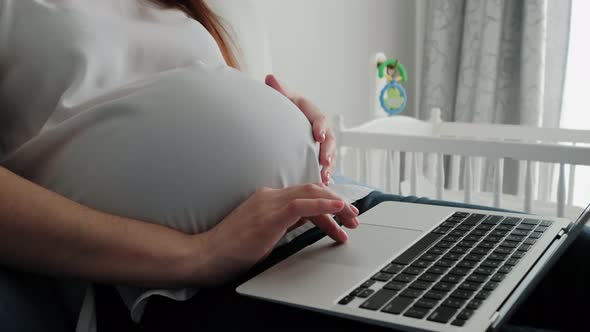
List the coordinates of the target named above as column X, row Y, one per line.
column 449, row 273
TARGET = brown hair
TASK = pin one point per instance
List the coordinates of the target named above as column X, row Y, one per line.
column 198, row 10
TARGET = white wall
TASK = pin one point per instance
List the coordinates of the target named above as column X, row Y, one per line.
column 322, row 48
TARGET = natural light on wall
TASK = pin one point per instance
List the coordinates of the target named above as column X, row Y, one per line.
column 576, row 112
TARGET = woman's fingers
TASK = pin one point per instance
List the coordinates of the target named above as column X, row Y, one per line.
column 274, row 83
column 316, row 208
column 318, row 190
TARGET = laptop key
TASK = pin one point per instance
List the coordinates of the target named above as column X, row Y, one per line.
column 524, row 247
column 429, row 277
column 378, row 299
column 443, row 287
column 444, row 263
column 453, row 303
column 416, row 312
column 504, row 227
column 509, row 244
column 492, row 220
column 470, row 286
column 413, row 293
column 531, row 222
column 408, row 256
column 426, row 303
column 505, row 269
column 462, row 294
column 413, row 270
column 366, row 293
column 421, row 264
column 429, row 257
column 451, row 278
column 480, row 251
column 546, row 223
column 482, row 295
column 357, row 291
column 479, row 232
column 474, row 257
column 368, row 283
column 392, row 268
column 421, row 285
column 441, row 230
column 511, row 261
column 451, row 238
column 380, row 276
column 490, row 286
column 404, row 278
column 479, row 278
column 467, row 264
column 541, row 229
column 474, row 304
column 458, row 322
column 518, row 254
column 434, row 295
column 460, row 214
column 529, row 241
column 498, row 277
column 497, row 256
column 520, row 232
column 460, row 271
column 442, row 314
column 394, row 285
column 535, row 235
column 503, row 250
column 437, row 270
column 451, row 256
column 346, row 300
column 398, row 305
column 486, row 271
column 491, row 263
column 459, row 250
column 437, row 251
column 510, row 221
column 465, row 314
column 525, row 227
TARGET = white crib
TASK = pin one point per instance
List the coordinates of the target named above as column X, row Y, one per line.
column 409, row 156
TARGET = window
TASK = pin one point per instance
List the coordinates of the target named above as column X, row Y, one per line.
column 576, row 109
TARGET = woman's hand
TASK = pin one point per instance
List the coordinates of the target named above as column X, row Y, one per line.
column 321, row 130
column 251, row 231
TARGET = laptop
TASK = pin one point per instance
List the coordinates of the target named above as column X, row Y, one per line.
column 422, row 267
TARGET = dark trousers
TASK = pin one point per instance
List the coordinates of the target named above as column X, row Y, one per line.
column 558, row 303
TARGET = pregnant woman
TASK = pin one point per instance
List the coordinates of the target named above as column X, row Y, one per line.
column 137, row 154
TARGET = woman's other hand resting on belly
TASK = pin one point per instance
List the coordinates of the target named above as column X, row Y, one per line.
column 321, row 131
column 43, row 232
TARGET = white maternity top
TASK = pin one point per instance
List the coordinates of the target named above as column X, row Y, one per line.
column 131, row 109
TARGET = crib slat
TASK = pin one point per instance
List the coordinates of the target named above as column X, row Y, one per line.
column 388, row 170
column 468, row 180
column 396, row 171
column 414, row 174
column 340, row 160
column 561, row 191
column 440, row 176
column 366, row 165
column 455, row 171
column 528, row 187
column 498, row 182
column 570, row 185
column 477, row 162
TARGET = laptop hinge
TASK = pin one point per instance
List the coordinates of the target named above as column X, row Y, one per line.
column 560, row 234
column 494, row 321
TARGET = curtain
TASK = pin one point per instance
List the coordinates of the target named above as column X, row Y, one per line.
column 497, row 61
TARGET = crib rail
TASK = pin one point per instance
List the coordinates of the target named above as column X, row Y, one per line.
column 465, row 146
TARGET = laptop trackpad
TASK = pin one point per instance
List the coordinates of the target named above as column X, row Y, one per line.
column 331, row 268
column 369, row 245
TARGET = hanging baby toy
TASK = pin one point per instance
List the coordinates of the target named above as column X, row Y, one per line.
column 393, row 96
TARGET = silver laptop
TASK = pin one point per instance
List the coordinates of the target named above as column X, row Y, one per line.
column 422, row 267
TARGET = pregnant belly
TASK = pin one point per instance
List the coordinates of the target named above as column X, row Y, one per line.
column 182, row 150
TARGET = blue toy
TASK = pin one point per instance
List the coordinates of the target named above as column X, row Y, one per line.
column 393, row 97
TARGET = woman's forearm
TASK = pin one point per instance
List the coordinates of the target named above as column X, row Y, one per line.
column 43, row 232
